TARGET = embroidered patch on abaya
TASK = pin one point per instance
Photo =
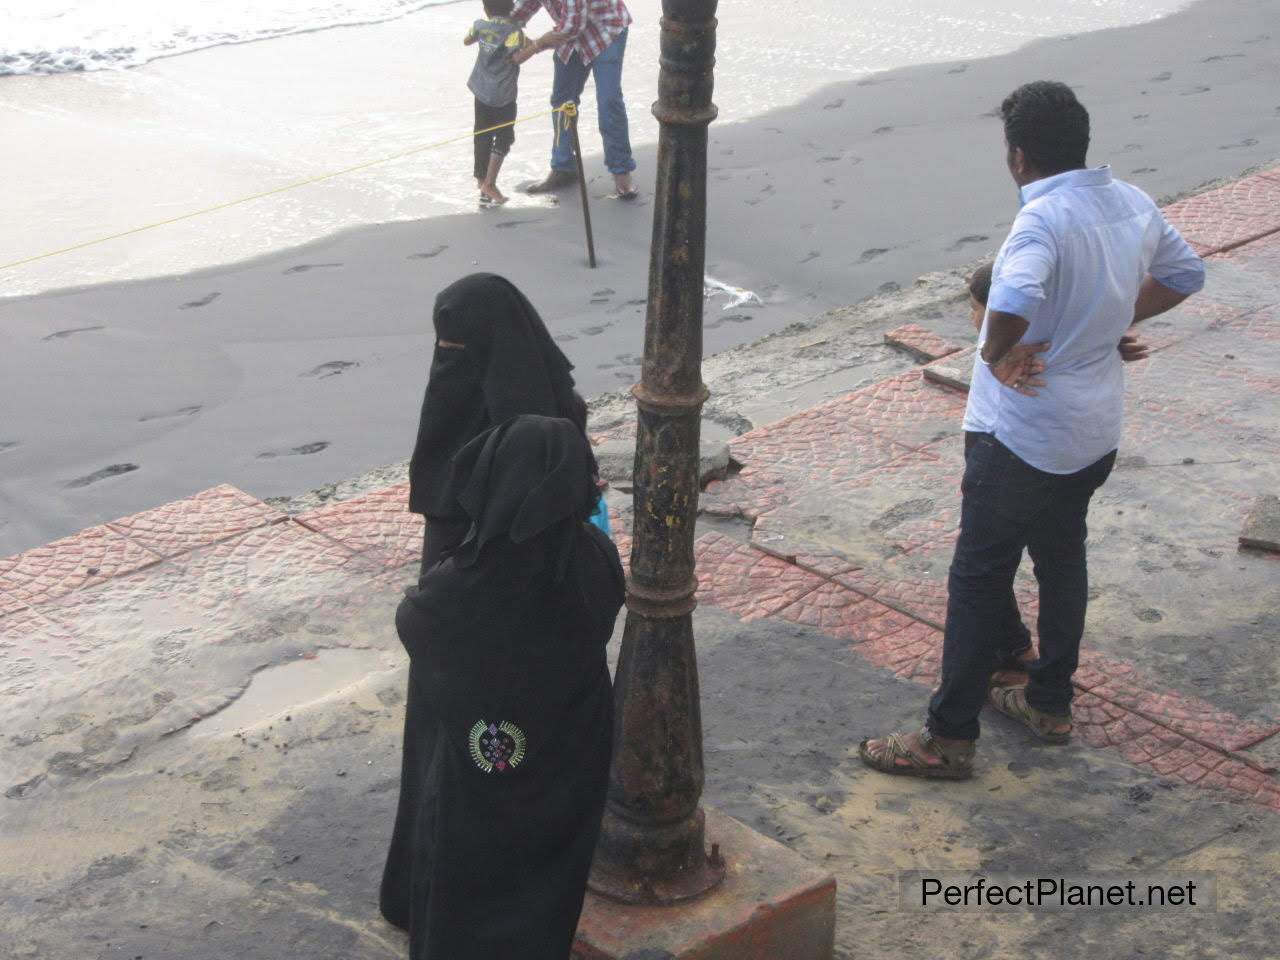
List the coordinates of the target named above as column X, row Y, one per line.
column 496, row 747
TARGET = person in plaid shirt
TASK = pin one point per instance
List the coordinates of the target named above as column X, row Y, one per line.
column 591, row 38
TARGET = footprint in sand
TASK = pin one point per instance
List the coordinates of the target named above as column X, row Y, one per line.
column 990, row 114
column 427, row 255
column 606, row 292
column 871, row 253
column 112, row 471
column 508, row 224
column 564, row 338
column 882, row 130
column 7, row 445
column 63, row 334
column 837, row 204
column 889, row 287
column 960, row 69
column 834, row 104
column 302, row 451
column 1141, row 116
column 731, row 318
column 1160, row 77
column 304, row 267
column 593, row 331
column 1145, row 170
column 1194, row 90
column 1222, row 56
column 813, row 255
column 202, row 302
column 1248, row 142
column 180, row 412
column 968, row 239
column 331, row 369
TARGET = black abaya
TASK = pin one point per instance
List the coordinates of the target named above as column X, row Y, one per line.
column 507, row 636
column 507, row 365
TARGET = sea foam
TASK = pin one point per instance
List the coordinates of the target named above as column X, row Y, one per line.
column 65, row 36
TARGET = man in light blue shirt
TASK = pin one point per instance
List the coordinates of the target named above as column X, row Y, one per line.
column 1086, row 257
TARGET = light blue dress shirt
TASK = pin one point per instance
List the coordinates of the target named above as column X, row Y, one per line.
column 1073, row 262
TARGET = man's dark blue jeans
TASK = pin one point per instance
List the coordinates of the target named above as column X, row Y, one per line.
column 1009, row 505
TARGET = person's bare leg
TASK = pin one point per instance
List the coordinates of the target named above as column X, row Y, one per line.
column 489, row 188
column 624, row 184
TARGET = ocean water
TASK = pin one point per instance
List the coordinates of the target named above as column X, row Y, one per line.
column 107, row 128
column 66, row 36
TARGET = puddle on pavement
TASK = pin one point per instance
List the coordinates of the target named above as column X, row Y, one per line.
column 279, row 689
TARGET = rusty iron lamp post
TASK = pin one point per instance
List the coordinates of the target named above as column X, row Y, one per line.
column 652, row 847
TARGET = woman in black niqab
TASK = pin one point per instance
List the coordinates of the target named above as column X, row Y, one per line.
column 508, row 633
column 494, row 360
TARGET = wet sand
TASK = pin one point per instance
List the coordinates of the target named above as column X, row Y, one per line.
column 307, row 366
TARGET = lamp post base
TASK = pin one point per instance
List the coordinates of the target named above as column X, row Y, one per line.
column 772, row 905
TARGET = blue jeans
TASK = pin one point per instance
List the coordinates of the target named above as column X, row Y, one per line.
column 568, row 83
column 1009, row 505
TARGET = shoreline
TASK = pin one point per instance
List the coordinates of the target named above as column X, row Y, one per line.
column 227, row 374
column 206, row 127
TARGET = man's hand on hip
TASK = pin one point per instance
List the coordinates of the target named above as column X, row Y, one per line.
column 1020, row 368
column 1131, row 348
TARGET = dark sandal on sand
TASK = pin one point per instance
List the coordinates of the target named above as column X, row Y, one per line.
column 1012, row 702
column 957, row 762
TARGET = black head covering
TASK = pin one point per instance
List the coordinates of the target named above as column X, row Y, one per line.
column 521, row 479
column 506, row 637
column 510, row 365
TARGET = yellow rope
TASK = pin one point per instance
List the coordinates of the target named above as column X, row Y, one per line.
column 564, row 109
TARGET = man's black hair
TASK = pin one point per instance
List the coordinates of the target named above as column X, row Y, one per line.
column 499, row 8
column 1049, row 124
column 980, row 284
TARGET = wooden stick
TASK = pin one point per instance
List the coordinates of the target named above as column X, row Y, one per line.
column 582, row 183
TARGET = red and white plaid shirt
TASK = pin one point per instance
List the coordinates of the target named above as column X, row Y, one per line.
column 591, row 24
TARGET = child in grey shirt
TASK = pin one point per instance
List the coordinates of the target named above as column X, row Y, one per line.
column 503, row 47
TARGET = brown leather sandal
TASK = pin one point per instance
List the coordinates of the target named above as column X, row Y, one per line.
column 957, row 762
column 1012, row 702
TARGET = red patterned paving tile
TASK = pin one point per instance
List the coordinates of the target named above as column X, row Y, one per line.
column 749, row 493
column 196, row 521
column 905, row 651
column 28, row 643
column 91, row 556
column 1187, row 320
column 839, row 612
column 378, row 524
column 1229, row 215
column 9, row 603
column 1263, row 254
column 924, row 345
column 747, row 582
column 1124, row 685
column 907, row 409
column 1261, row 324
column 231, row 592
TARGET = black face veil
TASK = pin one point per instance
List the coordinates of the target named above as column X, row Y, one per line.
column 507, row 365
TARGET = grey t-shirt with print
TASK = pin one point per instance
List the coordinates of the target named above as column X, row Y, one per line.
column 493, row 79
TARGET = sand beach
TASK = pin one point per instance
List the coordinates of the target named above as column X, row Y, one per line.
column 305, row 365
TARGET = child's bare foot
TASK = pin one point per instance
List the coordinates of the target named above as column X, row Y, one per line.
column 491, row 192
